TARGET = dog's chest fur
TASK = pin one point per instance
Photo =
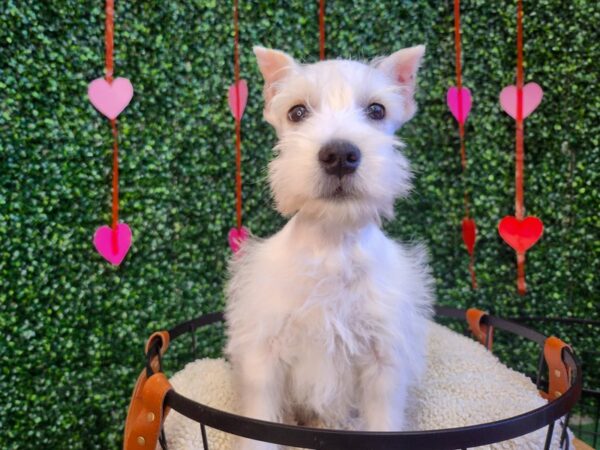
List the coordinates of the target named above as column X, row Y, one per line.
column 325, row 311
column 326, row 334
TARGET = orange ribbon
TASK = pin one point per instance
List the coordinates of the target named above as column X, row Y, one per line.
column 322, row 29
column 520, row 155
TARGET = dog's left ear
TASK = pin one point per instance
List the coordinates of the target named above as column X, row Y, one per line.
column 402, row 66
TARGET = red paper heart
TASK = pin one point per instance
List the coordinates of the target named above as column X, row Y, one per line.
column 238, row 105
column 113, row 245
column 520, row 234
column 110, row 98
column 469, row 234
column 236, row 238
column 532, row 96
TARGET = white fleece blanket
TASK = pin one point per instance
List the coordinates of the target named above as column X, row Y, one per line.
column 464, row 385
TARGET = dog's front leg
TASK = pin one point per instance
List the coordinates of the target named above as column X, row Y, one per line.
column 260, row 383
column 383, row 394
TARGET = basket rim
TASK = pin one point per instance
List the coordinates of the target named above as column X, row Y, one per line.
column 331, row 439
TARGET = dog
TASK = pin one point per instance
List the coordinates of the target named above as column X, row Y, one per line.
column 327, row 319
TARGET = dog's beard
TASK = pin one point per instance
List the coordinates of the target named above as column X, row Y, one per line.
column 344, row 210
column 354, row 199
column 338, row 189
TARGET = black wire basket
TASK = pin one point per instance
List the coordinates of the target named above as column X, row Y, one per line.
column 558, row 407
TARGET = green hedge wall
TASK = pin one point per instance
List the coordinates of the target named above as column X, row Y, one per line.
column 73, row 327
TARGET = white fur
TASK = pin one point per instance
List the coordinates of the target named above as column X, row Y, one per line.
column 327, row 318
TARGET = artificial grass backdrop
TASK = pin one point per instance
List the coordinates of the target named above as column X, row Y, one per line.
column 73, row 326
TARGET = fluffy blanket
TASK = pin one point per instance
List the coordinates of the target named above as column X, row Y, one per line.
column 464, row 385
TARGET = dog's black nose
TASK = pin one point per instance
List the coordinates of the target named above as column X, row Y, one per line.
column 339, row 158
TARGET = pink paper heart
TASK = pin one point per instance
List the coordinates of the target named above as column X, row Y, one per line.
column 460, row 105
column 113, row 248
column 532, row 96
column 110, row 98
column 236, row 238
column 236, row 105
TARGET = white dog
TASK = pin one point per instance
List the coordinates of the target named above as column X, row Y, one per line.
column 327, row 319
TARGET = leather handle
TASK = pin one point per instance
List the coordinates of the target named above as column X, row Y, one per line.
column 146, row 412
column 559, row 376
column 482, row 332
column 163, row 336
column 165, row 339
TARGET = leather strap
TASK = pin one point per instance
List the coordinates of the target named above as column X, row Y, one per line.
column 481, row 331
column 559, row 377
column 165, row 339
column 146, row 413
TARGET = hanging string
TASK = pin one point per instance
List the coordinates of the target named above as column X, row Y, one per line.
column 115, row 184
column 109, row 39
column 461, row 130
column 108, row 75
column 238, row 126
column 322, row 29
column 519, row 158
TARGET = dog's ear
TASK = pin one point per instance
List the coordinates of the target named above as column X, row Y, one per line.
column 273, row 65
column 402, row 66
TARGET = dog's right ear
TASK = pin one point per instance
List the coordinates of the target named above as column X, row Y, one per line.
column 274, row 65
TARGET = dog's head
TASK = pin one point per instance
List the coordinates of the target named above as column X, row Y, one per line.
column 337, row 157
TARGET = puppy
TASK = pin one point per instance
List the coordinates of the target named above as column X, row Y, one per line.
column 327, row 319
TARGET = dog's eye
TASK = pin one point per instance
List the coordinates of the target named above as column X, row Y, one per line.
column 297, row 113
column 375, row 111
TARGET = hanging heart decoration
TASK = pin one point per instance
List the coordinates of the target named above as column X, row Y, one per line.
column 237, row 98
column 113, row 245
column 519, row 101
column 469, row 234
column 236, row 238
column 110, row 98
column 459, row 102
column 521, row 235
column 532, row 97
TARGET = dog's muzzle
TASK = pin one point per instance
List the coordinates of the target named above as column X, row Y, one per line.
column 339, row 158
